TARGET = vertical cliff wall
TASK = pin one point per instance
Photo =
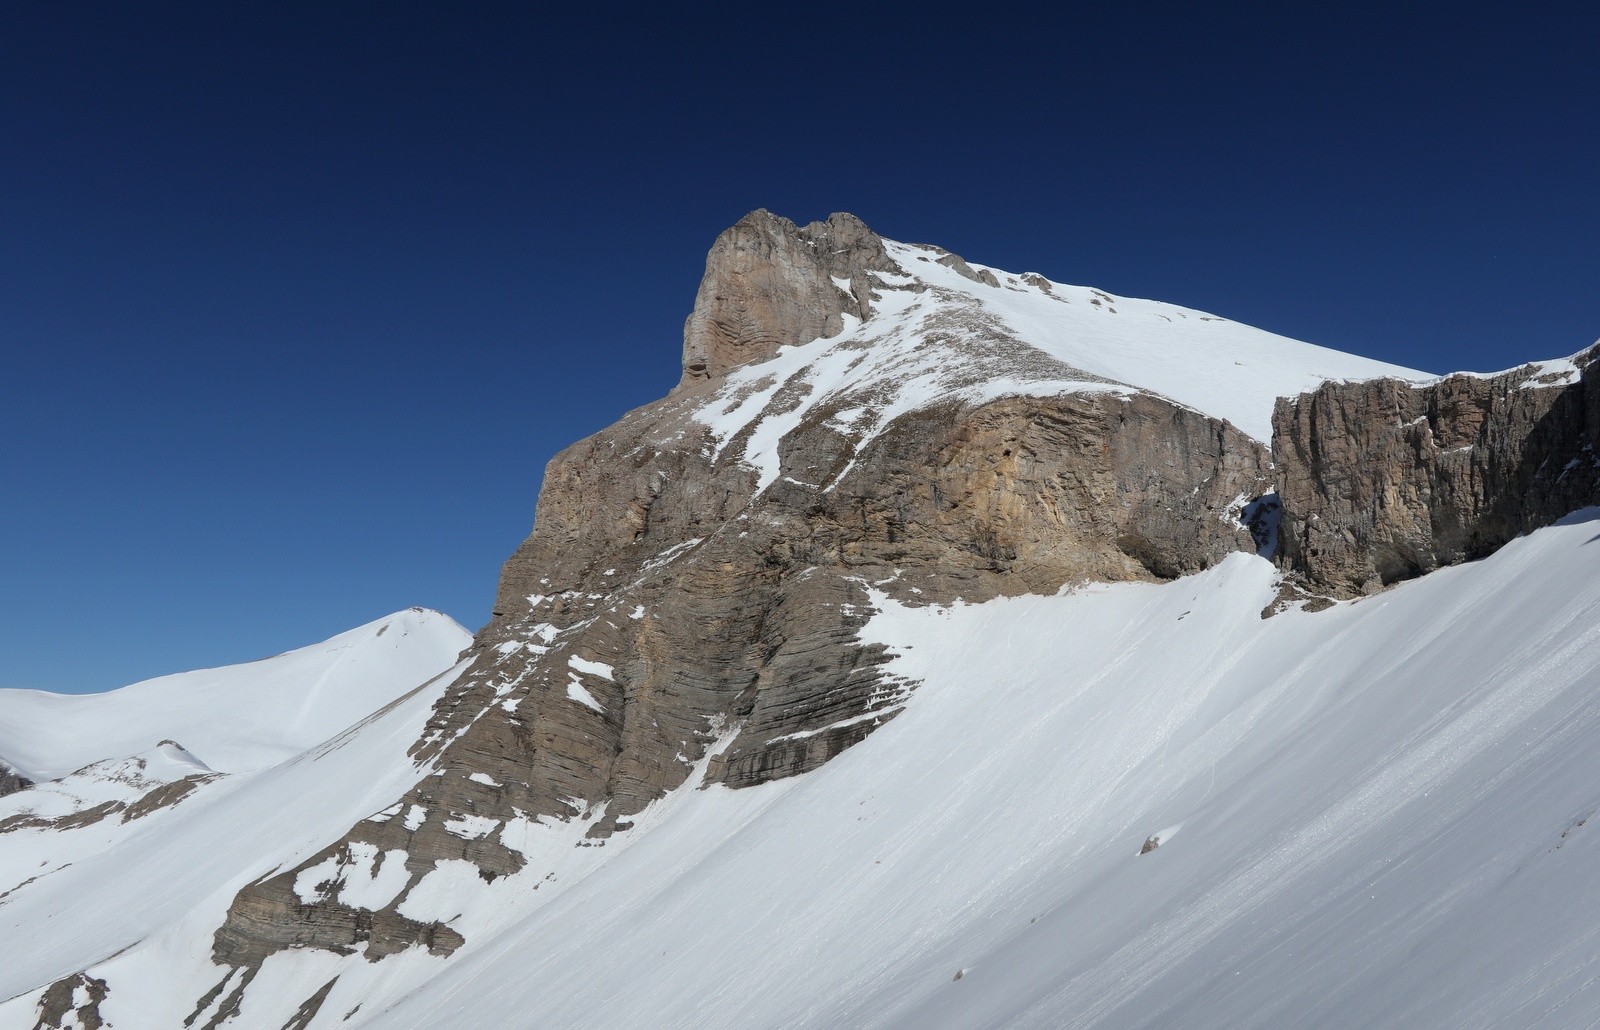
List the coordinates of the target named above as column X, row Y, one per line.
column 770, row 284
column 1382, row 481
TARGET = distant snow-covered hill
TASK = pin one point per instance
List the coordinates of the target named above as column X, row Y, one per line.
column 239, row 718
column 150, row 797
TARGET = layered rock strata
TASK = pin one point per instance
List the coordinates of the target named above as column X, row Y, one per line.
column 1382, row 481
column 678, row 609
column 770, row 284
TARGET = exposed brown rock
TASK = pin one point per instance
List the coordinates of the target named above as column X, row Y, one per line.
column 1382, row 481
column 769, row 283
column 12, row 781
column 310, row 1007
column 665, row 612
column 165, row 795
column 60, row 1007
column 256, row 927
column 229, row 1006
column 959, row 265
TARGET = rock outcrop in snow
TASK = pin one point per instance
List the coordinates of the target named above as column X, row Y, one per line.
column 73, row 1003
column 126, row 788
column 11, row 780
column 698, row 573
column 1383, row 480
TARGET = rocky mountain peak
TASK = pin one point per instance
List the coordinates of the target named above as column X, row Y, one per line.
column 770, row 283
column 689, row 606
column 867, row 428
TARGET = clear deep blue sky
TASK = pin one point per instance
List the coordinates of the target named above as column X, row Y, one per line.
column 295, row 304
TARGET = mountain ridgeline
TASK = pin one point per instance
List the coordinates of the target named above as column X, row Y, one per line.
column 858, row 422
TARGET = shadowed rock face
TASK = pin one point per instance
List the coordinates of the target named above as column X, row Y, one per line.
column 1382, row 481
column 664, row 614
column 12, row 781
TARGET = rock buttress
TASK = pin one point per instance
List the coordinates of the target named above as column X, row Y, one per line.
column 1382, row 481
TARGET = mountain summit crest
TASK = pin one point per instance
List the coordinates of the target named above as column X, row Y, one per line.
column 770, row 283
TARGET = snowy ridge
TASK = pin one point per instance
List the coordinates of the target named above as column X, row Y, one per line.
column 936, row 335
column 1552, row 372
column 114, row 780
column 237, row 718
column 125, row 850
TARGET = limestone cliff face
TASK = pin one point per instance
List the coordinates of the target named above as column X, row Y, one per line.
column 677, row 607
column 1382, row 481
column 769, row 284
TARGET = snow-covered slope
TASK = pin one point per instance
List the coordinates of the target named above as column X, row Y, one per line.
column 140, row 829
column 238, row 718
column 1377, row 814
column 935, row 334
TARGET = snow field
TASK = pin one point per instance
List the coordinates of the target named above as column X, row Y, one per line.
column 164, row 881
column 1382, row 810
column 238, row 718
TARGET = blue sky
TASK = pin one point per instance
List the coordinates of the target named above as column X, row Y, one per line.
column 296, row 303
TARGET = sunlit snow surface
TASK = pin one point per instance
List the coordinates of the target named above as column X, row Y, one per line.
column 286, row 773
column 234, row 719
column 935, row 335
column 1386, row 813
